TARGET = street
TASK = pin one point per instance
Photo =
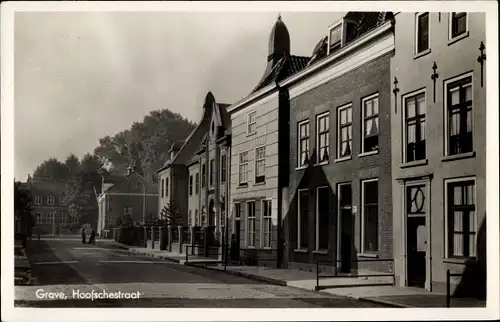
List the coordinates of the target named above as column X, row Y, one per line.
column 65, row 271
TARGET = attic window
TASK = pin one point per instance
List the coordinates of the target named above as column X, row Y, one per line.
column 341, row 33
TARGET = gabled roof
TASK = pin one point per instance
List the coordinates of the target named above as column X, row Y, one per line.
column 365, row 22
column 286, row 67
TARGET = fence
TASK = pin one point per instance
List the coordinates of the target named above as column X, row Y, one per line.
column 322, row 287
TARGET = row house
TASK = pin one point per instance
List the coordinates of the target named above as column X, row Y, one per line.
column 339, row 193
column 258, row 163
column 438, row 114
column 190, row 183
column 129, row 199
column 49, row 206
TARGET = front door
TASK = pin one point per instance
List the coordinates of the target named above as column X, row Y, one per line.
column 346, row 241
column 416, row 250
column 235, row 253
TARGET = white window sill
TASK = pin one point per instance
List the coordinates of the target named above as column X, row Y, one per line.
column 463, row 261
column 365, row 154
column 414, row 164
column 368, row 255
column 259, row 184
column 301, row 168
column 347, row 158
column 321, row 164
column 422, row 53
column 458, row 38
column 321, row 252
column 458, row 156
column 250, row 134
column 300, row 250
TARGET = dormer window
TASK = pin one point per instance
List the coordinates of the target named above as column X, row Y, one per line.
column 340, row 34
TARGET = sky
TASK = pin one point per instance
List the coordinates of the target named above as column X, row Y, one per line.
column 80, row 76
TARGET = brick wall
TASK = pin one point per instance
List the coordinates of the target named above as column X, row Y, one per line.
column 372, row 77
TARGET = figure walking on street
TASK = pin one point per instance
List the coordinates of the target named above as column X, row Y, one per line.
column 83, row 235
column 92, row 236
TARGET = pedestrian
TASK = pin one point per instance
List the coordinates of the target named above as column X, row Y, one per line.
column 83, row 235
column 92, row 236
column 234, row 250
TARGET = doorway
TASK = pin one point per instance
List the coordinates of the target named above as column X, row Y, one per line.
column 211, row 214
column 416, row 250
column 346, row 227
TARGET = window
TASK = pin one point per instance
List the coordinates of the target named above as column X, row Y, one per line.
column 344, row 145
column 61, row 199
column 211, row 174
column 127, row 211
column 162, row 188
column 370, row 124
column 190, row 218
column 303, row 219
column 267, row 223
column 50, row 200
column 64, row 218
column 303, row 146
column 74, row 219
column 166, row 187
column 461, row 219
column 197, row 183
column 190, row 185
column 38, row 218
column 458, row 24
column 251, row 123
column 251, row 223
column 323, row 137
column 223, row 166
column 196, row 218
column 38, row 200
column 322, row 214
column 414, row 114
column 369, row 226
column 340, row 34
column 459, row 119
column 203, row 174
column 260, row 164
column 422, row 32
column 243, row 170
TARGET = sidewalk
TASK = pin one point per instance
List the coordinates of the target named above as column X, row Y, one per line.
column 373, row 289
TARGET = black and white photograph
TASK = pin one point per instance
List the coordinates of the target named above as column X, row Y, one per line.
column 253, row 155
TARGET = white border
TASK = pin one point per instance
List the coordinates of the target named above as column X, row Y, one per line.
column 250, row 123
column 9, row 313
column 247, row 215
column 462, row 35
column 363, row 100
column 299, row 161
column 264, row 158
column 239, row 167
column 417, row 15
column 339, row 137
column 262, row 217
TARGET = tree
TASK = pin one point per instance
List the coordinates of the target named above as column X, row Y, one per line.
column 171, row 213
column 72, row 163
column 80, row 198
column 52, row 168
column 23, row 208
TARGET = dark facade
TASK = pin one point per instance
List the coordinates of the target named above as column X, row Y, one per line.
column 339, row 192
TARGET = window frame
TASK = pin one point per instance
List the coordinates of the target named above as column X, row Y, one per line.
column 196, row 218
column 305, row 139
column 38, row 217
column 50, row 200
column 211, row 173
column 163, row 187
column 447, row 241
column 38, row 200
column 197, row 183
column 223, row 168
column 364, row 119
column 404, row 98
column 264, row 204
column 240, row 164
column 417, row 29
column 247, row 226
column 167, row 186
column 299, row 219
column 363, row 182
column 249, row 122
column 340, row 126
column 262, row 178
column 447, row 84
column 318, row 135
column 203, row 174
column 317, row 220
column 191, row 185
column 464, row 34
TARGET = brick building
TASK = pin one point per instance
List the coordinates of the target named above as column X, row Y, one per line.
column 132, row 195
column 259, row 140
column 439, row 150
column 208, row 171
column 175, row 182
column 49, row 208
column 339, row 192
